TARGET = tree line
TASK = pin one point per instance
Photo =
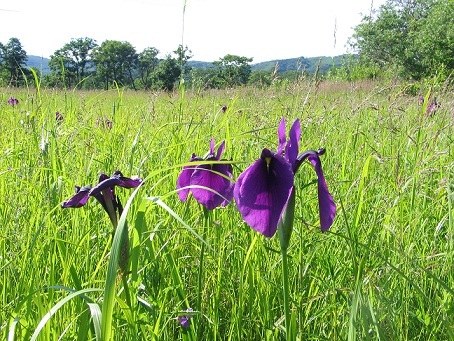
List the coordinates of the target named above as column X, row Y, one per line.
column 413, row 39
column 82, row 63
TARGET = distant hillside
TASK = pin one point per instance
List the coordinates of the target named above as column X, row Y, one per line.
column 40, row 63
column 300, row 63
column 292, row 64
column 202, row 65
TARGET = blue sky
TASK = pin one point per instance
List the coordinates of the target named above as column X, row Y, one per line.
column 259, row 29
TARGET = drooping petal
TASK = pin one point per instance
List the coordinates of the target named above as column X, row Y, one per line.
column 207, row 176
column 104, row 183
column 291, row 149
column 281, row 136
column 79, row 199
column 126, row 182
column 262, row 191
column 326, row 204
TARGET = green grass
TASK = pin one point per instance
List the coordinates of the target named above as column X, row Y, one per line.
column 383, row 272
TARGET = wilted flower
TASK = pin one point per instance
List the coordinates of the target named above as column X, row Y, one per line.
column 264, row 188
column 210, row 184
column 185, row 320
column 13, row 101
column 104, row 192
column 58, row 116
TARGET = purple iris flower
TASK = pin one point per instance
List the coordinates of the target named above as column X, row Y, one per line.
column 13, row 101
column 264, row 188
column 210, row 184
column 104, row 192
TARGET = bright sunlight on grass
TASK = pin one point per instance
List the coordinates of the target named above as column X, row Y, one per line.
column 384, row 270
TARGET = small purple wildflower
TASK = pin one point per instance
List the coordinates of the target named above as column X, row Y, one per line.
column 13, row 101
column 185, row 320
column 421, row 100
column 58, row 116
column 433, row 107
column 224, row 109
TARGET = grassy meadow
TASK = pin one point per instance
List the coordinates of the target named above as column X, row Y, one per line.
column 384, row 271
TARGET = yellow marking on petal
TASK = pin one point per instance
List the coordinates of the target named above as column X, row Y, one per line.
column 268, row 161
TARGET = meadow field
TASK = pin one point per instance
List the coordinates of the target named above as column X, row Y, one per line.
column 384, row 271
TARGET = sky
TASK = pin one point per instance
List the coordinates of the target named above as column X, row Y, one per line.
column 260, row 29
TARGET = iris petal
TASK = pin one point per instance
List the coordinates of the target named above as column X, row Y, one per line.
column 326, row 204
column 126, row 182
column 281, row 137
column 104, row 183
column 184, row 180
column 79, row 199
column 219, row 189
column 262, row 192
column 291, row 149
column 206, row 176
column 220, row 150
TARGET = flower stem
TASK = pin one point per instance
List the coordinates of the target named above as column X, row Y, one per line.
column 285, row 228
column 285, row 288
column 206, row 222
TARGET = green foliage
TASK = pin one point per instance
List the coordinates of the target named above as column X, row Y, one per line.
column 115, row 62
column 384, row 270
column 74, row 66
column 260, row 79
column 73, row 62
column 232, row 71
column 13, row 59
column 167, row 74
column 416, row 37
column 309, row 65
column 148, row 62
column 354, row 69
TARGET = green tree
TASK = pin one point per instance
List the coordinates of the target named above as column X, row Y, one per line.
column 167, row 74
column 14, row 59
column 73, row 60
column 260, row 78
column 416, row 36
column 147, row 64
column 232, row 71
column 202, row 78
column 116, row 62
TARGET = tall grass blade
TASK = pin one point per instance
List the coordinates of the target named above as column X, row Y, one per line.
column 55, row 308
column 111, row 277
